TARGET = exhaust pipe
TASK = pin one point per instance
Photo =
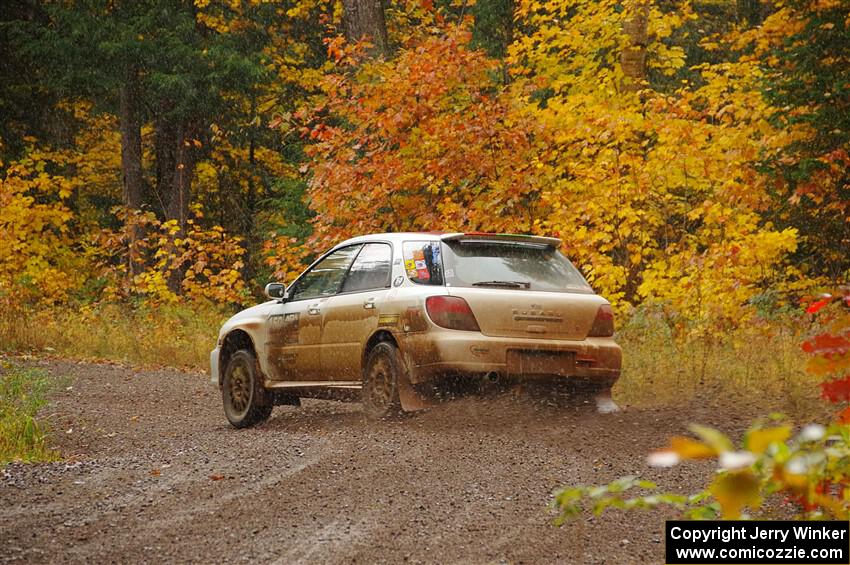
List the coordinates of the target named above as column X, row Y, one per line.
column 492, row 377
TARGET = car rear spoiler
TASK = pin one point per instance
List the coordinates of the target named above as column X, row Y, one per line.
column 538, row 239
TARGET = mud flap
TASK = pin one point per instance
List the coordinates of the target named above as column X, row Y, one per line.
column 411, row 399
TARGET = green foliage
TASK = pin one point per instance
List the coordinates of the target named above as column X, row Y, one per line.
column 571, row 501
column 493, row 30
column 285, row 211
column 22, row 394
column 806, row 77
column 179, row 52
column 27, row 105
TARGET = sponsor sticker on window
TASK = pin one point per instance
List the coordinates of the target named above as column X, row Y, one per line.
column 423, row 262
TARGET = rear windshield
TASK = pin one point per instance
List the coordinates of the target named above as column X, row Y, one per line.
column 498, row 264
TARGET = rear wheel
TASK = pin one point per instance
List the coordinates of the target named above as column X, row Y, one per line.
column 246, row 402
column 380, row 382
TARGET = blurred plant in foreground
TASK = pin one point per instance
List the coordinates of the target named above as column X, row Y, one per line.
column 809, row 468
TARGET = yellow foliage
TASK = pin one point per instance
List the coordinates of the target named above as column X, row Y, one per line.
column 736, row 491
column 655, row 196
column 159, row 259
column 37, row 258
column 688, row 448
column 758, row 440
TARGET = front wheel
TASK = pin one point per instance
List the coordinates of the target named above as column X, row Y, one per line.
column 246, row 402
column 380, row 382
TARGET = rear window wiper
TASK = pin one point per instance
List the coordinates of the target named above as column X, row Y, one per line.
column 509, row 284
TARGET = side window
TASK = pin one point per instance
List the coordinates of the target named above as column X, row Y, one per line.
column 371, row 269
column 423, row 262
column 325, row 278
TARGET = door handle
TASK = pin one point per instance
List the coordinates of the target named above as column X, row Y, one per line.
column 313, row 310
column 369, row 304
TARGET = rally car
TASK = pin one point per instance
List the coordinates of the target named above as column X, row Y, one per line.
column 382, row 318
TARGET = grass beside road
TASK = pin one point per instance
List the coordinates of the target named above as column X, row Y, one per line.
column 761, row 365
column 22, row 437
column 168, row 335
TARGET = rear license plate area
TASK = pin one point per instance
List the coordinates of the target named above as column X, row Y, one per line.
column 523, row 362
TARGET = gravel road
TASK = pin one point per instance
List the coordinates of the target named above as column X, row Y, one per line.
column 152, row 472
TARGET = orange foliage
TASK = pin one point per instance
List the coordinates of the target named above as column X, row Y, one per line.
column 656, row 196
column 423, row 142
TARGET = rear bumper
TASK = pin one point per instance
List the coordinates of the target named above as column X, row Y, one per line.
column 434, row 354
column 214, row 375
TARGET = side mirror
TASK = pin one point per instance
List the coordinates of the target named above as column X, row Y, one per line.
column 276, row 291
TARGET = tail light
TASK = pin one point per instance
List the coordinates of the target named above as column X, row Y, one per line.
column 451, row 312
column 603, row 325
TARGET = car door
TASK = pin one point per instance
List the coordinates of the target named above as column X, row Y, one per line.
column 353, row 315
column 295, row 327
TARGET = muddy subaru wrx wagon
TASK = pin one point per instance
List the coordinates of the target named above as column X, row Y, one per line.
column 385, row 317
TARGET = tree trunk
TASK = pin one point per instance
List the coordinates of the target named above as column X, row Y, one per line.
column 176, row 156
column 165, row 144
column 184, row 158
column 132, row 179
column 633, row 56
column 131, row 143
column 365, row 19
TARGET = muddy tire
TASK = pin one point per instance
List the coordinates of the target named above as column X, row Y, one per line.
column 246, row 402
column 383, row 370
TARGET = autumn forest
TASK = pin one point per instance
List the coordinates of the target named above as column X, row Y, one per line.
column 692, row 156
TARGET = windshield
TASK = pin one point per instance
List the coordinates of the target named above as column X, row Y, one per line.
column 511, row 265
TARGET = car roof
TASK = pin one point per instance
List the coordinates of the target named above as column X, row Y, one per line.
column 397, row 237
